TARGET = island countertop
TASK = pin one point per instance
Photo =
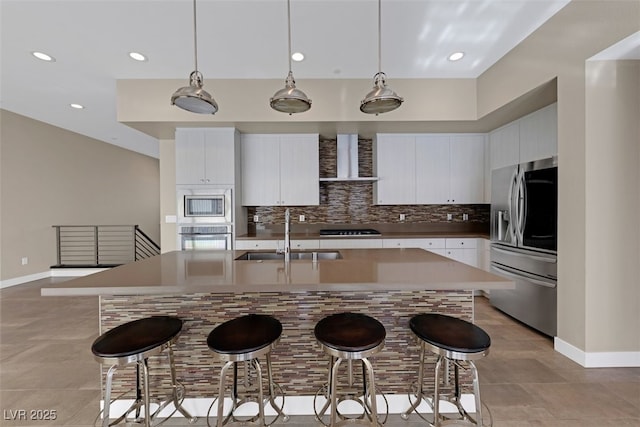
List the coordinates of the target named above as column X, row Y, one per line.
column 182, row 272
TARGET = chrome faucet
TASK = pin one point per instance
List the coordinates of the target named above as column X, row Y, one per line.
column 287, row 235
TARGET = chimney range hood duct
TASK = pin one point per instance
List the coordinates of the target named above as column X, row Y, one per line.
column 347, row 156
column 347, row 160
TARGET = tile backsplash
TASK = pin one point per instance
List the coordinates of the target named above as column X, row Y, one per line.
column 351, row 202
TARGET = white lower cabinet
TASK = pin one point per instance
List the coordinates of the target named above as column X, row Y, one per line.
column 273, row 244
column 302, row 245
column 339, row 243
column 462, row 250
column 426, row 244
column 248, row 245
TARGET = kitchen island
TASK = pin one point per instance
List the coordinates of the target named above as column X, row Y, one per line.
column 206, row 288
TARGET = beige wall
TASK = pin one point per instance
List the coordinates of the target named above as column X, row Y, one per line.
column 50, row 176
column 612, row 287
column 168, row 204
column 560, row 48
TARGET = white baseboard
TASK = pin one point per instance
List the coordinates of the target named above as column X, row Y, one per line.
column 54, row 272
column 296, row 405
column 608, row 359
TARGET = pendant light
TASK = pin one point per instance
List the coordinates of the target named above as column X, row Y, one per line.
column 381, row 99
column 194, row 98
column 290, row 99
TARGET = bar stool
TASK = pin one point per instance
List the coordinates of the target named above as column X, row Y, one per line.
column 350, row 336
column 455, row 341
column 135, row 342
column 245, row 339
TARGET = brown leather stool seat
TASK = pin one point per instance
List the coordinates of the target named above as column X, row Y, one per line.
column 135, row 342
column 455, row 341
column 245, row 339
column 350, row 336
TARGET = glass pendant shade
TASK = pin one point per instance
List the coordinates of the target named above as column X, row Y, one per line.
column 194, row 98
column 381, row 99
column 290, row 99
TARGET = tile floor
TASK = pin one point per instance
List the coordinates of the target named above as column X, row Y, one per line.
column 46, row 364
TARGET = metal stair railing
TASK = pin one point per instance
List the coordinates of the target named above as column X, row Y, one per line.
column 102, row 245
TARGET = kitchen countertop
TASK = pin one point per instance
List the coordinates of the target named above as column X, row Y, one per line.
column 182, row 272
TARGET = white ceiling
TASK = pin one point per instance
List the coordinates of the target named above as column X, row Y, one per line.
column 90, row 40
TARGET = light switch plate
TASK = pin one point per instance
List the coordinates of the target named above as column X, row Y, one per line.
column 301, row 218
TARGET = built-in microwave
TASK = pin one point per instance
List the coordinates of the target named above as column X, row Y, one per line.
column 204, row 206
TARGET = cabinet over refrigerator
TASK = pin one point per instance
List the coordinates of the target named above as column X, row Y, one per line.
column 524, row 230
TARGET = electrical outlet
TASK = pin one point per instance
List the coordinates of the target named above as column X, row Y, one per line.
column 465, row 217
column 301, row 218
column 449, row 217
column 402, row 217
column 25, row 260
column 256, row 218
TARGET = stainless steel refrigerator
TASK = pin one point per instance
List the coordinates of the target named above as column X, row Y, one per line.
column 524, row 230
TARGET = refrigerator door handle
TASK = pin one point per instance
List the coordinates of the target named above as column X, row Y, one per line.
column 513, row 207
column 520, row 201
column 552, row 260
column 523, row 276
column 500, row 222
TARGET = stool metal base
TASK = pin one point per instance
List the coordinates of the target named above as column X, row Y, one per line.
column 367, row 397
column 141, row 406
column 462, row 418
column 274, row 391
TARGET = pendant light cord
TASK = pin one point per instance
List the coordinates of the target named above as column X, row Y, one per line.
column 195, row 36
column 289, row 27
column 379, row 36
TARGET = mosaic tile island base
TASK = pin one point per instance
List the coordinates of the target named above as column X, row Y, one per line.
column 208, row 288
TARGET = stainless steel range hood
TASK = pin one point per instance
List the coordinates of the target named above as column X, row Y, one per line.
column 347, row 159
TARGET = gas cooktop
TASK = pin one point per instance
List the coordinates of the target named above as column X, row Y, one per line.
column 349, row 232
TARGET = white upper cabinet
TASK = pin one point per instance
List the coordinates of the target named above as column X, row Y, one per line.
column 432, row 169
column 504, row 146
column 395, row 167
column 539, row 134
column 280, row 170
column 532, row 137
column 429, row 168
column 206, row 156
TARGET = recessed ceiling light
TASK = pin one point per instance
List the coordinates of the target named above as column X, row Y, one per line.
column 77, row 106
column 43, row 56
column 456, row 56
column 297, row 56
column 137, row 56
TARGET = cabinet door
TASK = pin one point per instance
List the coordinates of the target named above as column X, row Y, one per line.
column 432, row 169
column 504, row 146
column 338, row 243
column 466, row 169
column 190, row 156
column 538, row 134
column 251, row 244
column 260, row 170
column 465, row 256
column 219, row 156
column 395, row 169
column 299, row 170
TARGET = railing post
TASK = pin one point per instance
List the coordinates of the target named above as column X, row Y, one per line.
column 135, row 243
column 59, row 254
column 97, row 250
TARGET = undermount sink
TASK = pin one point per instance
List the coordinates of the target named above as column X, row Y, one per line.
column 307, row 255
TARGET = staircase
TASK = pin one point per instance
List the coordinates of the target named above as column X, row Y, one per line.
column 92, row 246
